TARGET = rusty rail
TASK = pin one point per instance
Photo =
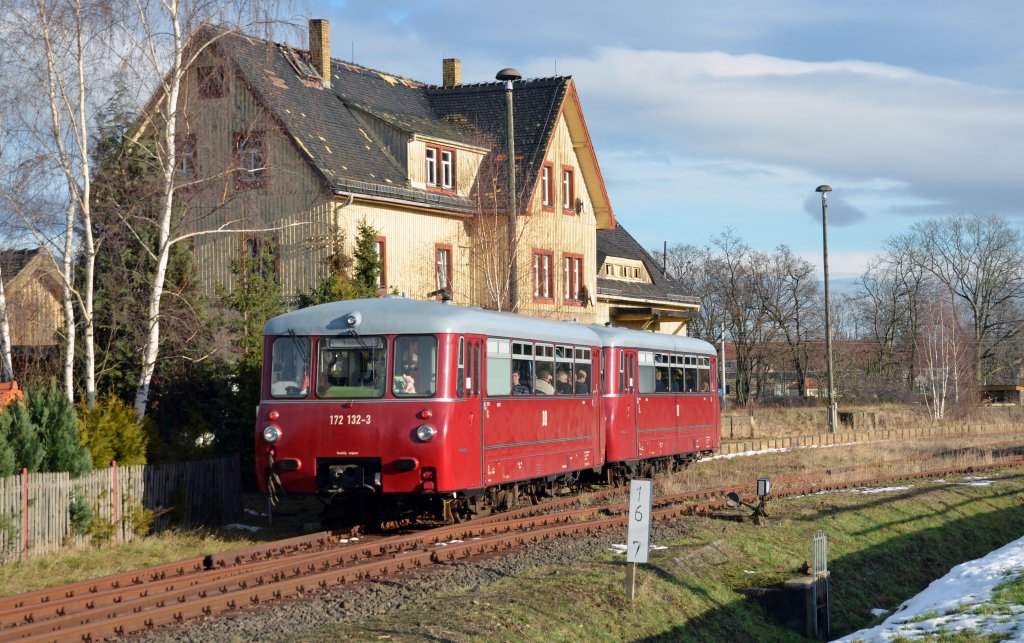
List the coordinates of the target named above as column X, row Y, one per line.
column 120, row 604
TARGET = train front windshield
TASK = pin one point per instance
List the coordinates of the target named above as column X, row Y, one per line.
column 351, row 367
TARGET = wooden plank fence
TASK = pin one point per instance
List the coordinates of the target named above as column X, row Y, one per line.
column 36, row 508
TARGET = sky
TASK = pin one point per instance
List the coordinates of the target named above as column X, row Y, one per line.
column 707, row 116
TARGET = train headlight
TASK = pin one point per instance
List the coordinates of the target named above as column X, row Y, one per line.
column 425, row 433
column 272, row 434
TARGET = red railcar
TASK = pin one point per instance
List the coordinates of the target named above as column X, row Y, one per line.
column 405, row 406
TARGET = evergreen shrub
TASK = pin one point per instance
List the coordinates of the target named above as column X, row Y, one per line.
column 54, row 416
column 111, row 432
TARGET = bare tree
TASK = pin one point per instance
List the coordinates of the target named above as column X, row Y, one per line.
column 789, row 294
column 980, row 259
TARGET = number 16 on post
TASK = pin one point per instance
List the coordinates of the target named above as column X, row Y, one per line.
column 639, row 534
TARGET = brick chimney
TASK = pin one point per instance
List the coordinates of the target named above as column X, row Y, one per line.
column 451, row 72
column 320, row 48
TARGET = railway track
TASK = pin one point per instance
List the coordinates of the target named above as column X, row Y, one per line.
column 209, row 586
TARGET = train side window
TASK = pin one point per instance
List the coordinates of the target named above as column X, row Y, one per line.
column 704, row 373
column 523, row 368
column 581, row 378
column 289, row 367
column 647, row 383
column 544, row 376
column 415, row 373
column 677, row 373
column 622, row 371
column 498, row 367
column 661, row 374
column 691, row 374
column 564, row 373
column 460, row 372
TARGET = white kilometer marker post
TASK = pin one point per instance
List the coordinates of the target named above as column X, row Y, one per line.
column 639, row 535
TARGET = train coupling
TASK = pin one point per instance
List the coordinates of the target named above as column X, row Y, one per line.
column 351, row 478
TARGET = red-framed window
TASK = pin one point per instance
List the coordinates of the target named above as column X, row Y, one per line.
column 188, row 158
column 443, row 266
column 260, row 256
column 212, row 81
column 572, row 278
column 568, row 190
column 251, row 157
column 547, row 186
column 382, row 256
column 543, row 276
column 440, row 168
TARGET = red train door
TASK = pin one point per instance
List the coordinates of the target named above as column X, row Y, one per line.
column 627, row 387
column 474, row 386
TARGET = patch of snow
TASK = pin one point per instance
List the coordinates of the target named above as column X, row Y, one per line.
column 950, row 603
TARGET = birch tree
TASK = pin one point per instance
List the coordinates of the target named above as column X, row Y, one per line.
column 168, row 36
column 61, row 51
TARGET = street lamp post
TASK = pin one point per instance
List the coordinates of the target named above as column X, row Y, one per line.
column 508, row 75
column 832, row 413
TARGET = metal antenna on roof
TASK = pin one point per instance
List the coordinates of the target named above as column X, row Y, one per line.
column 556, row 66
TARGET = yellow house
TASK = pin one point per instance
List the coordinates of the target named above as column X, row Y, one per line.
column 303, row 148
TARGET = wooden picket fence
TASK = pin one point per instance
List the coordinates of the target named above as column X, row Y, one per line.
column 36, row 508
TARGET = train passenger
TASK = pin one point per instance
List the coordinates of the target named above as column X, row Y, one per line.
column 660, row 385
column 517, row 388
column 543, row 384
column 582, row 385
column 563, row 386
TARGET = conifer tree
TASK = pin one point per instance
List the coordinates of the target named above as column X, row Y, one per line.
column 368, row 264
column 54, row 416
column 24, row 437
column 8, row 463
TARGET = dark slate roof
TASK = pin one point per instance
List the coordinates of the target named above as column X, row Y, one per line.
column 13, row 261
column 329, row 125
column 536, row 104
column 619, row 243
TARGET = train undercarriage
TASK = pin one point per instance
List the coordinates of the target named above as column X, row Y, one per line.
column 359, row 502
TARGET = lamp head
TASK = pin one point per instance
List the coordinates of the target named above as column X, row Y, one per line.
column 509, row 73
column 823, row 188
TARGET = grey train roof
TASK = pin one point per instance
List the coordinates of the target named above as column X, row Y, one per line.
column 611, row 336
column 397, row 315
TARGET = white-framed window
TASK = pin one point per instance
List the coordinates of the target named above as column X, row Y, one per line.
column 447, row 169
column 440, row 168
column 568, row 189
column 431, row 156
column 443, row 267
column 543, row 279
column 572, row 277
column 547, row 188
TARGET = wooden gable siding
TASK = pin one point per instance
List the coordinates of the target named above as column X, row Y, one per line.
column 34, row 309
column 292, row 192
column 559, row 233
